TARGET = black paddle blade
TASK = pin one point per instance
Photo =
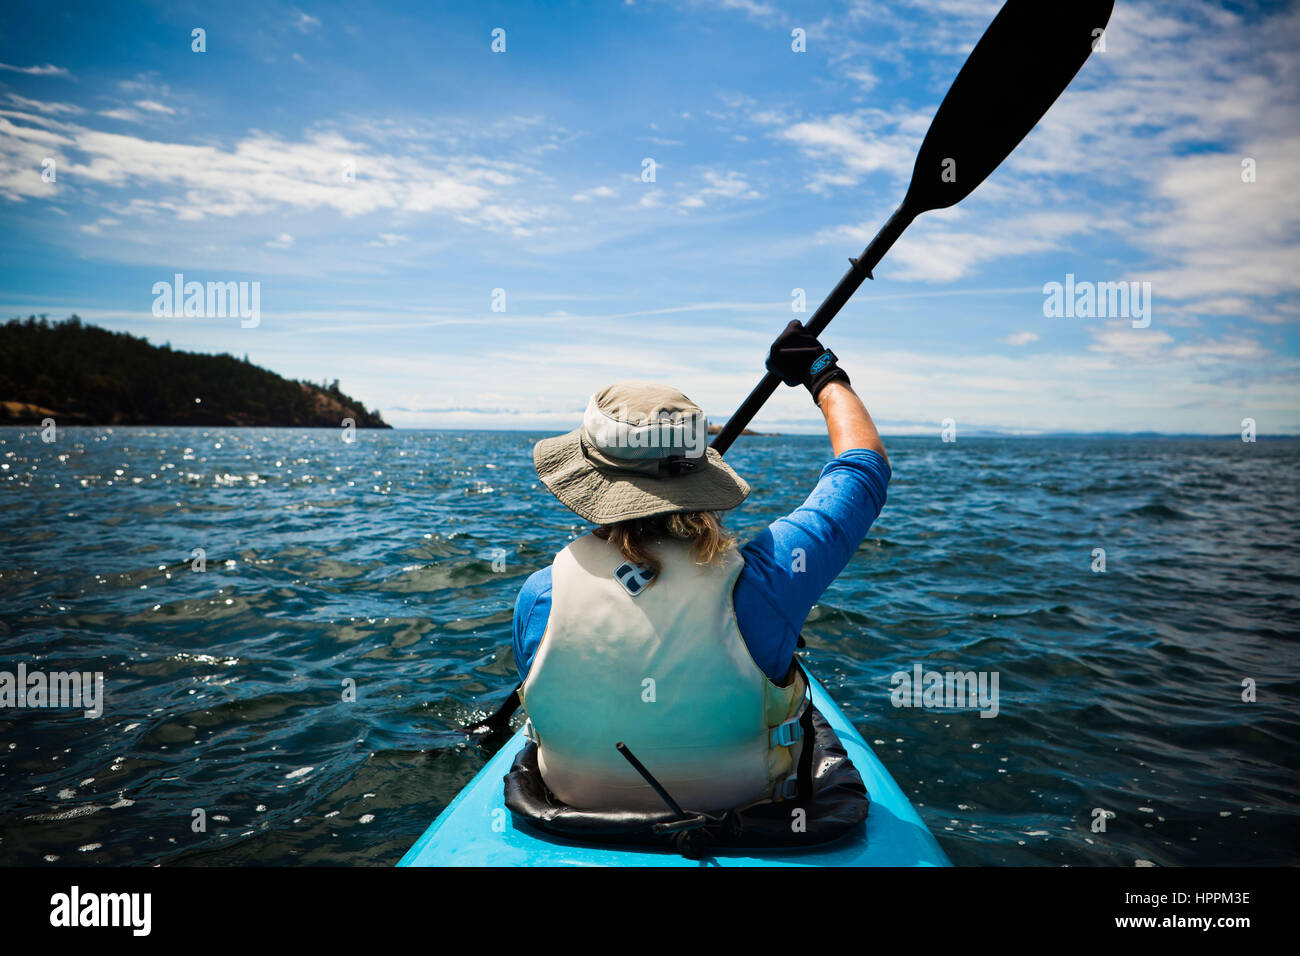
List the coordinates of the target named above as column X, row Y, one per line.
column 1025, row 60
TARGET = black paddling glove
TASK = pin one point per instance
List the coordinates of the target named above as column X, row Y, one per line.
column 799, row 359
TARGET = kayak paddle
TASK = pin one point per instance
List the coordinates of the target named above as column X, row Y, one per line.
column 1025, row 60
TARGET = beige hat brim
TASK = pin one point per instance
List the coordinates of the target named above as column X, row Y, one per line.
column 605, row 498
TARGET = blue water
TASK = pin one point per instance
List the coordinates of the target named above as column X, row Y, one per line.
column 373, row 563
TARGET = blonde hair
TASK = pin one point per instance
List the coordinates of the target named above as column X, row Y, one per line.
column 702, row 528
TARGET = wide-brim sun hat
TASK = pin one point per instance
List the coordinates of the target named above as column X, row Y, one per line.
column 642, row 451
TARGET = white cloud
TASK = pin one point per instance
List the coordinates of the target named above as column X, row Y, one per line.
column 862, row 76
column 935, row 251
column 97, row 227
column 513, row 217
column 48, row 69
column 1019, row 338
column 54, row 109
column 23, row 151
column 1228, row 240
column 153, row 106
column 1120, row 339
column 600, row 192
column 1152, row 347
column 728, row 185
column 305, row 22
column 1228, row 349
column 849, row 146
column 282, row 241
column 128, row 116
column 753, row 8
column 258, row 174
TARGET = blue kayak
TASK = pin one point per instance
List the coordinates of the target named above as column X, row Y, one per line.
column 476, row 829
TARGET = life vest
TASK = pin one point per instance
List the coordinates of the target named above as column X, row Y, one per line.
column 661, row 667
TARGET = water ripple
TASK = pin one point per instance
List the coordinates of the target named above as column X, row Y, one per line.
column 291, row 627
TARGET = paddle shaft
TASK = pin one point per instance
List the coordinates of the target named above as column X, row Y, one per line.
column 1023, row 62
column 829, row 308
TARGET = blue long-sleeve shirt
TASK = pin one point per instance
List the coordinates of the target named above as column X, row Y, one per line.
column 778, row 585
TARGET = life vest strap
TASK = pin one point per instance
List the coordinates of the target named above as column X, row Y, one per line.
column 787, row 789
column 804, row 776
column 799, row 785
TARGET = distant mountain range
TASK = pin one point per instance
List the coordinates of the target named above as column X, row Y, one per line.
column 80, row 374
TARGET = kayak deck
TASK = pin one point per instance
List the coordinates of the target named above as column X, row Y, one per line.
column 476, row 829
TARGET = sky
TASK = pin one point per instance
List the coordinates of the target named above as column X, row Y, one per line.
column 465, row 238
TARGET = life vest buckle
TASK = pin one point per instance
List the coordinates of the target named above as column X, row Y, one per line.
column 787, row 789
column 788, row 733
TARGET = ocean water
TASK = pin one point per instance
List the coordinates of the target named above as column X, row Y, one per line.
column 390, row 565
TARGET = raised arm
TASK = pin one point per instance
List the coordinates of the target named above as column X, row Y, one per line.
column 847, row 420
column 791, row 563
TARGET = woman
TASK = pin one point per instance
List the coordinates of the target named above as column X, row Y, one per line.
column 655, row 629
